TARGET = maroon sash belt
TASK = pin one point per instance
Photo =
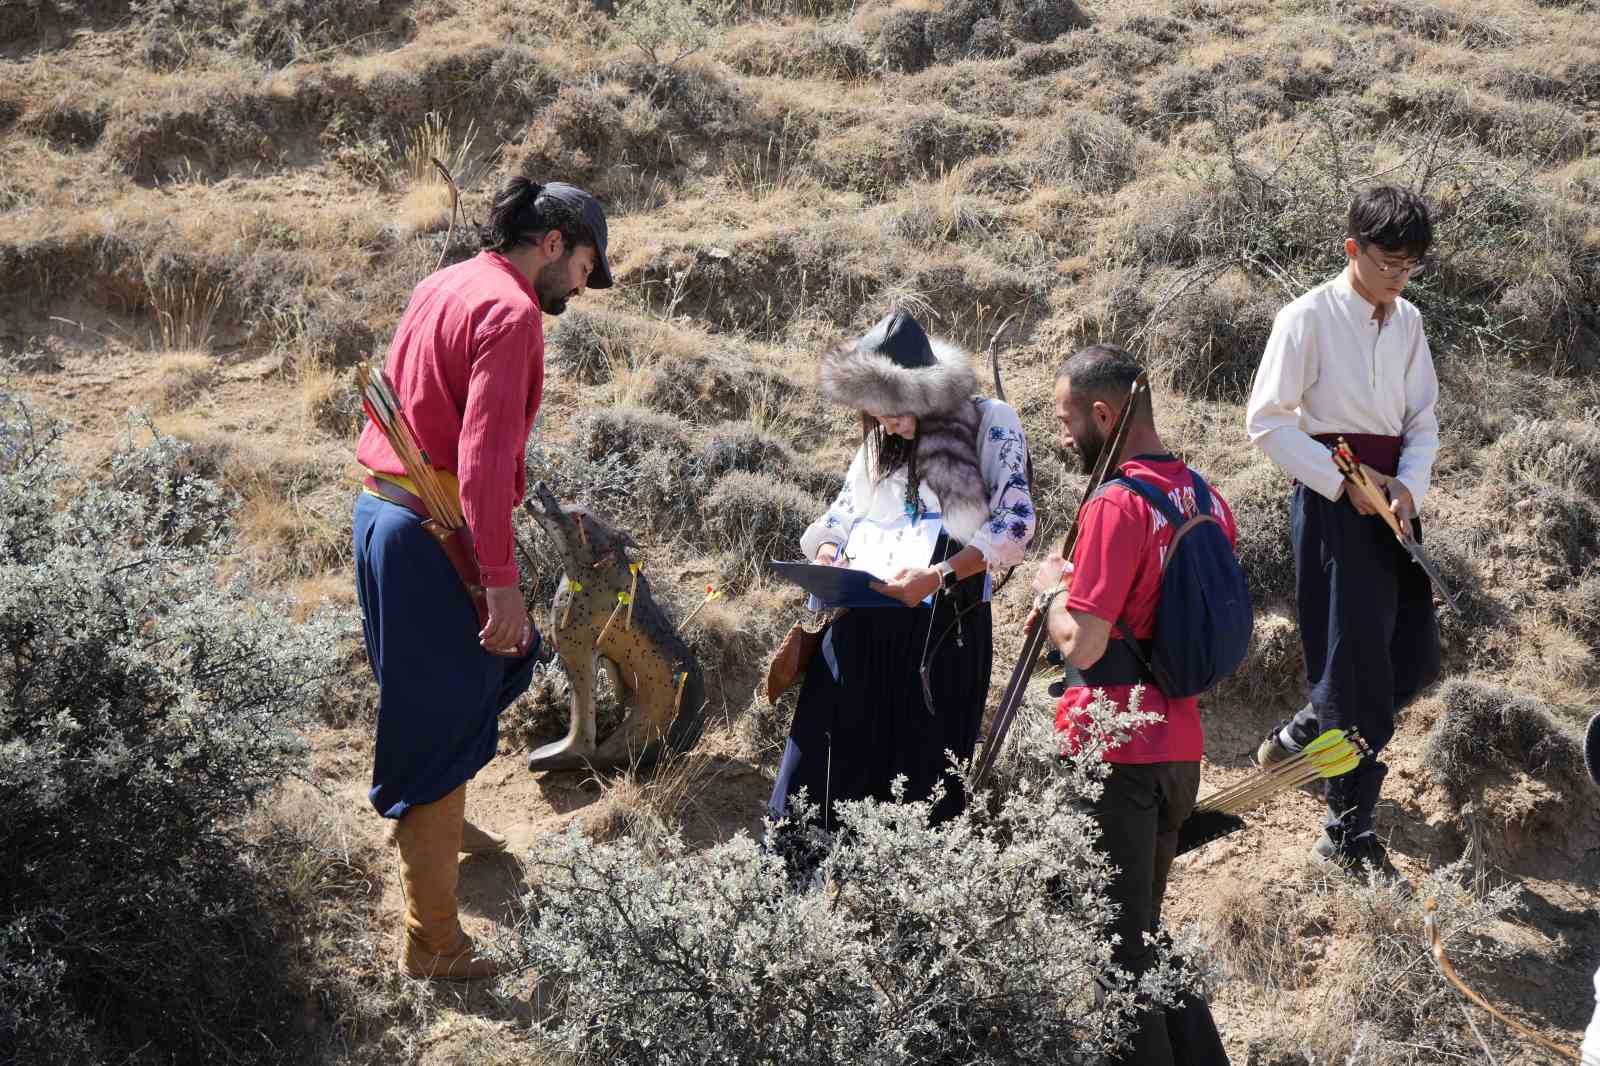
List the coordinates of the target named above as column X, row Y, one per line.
column 1380, row 452
column 457, row 545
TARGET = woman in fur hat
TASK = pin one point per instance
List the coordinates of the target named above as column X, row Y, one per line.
column 937, row 496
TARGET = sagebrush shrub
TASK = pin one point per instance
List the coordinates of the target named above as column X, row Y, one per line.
column 1097, row 151
column 825, row 52
column 755, row 519
column 1483, row 725
column 980, row 940
column 630, row 432
column 743, row 446
column 589, row 347
column 145, row 704
column 667, row 31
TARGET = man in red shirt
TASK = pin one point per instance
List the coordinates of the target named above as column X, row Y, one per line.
column 1116, row 575
column 467, row 362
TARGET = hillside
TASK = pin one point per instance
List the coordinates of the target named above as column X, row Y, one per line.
column 211, row 210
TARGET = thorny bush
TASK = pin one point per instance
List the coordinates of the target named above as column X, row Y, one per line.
column 144, row 705
column 1511, row 276
column 978, row 941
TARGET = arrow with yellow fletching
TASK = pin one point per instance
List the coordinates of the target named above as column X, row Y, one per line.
column 1332, row 754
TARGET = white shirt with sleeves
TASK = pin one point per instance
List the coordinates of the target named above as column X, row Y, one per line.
column 1003, row 457
column 1330, row 367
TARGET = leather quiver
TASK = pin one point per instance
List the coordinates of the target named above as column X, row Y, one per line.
column 457, row 547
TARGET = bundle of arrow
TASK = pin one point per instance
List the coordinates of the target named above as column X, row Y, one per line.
column 383, row 407
column 1333, row 753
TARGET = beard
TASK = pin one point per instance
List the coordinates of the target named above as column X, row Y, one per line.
column 548, row 286
column 1089, row 448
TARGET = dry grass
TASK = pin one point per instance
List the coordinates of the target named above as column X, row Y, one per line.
column 185, row 315
column 1580, row 606
column 180, row 378
column 1259, row 499
column 648, row 804
column 1157, row 179
column 1345, row 967
column 940, row 211
column 424, row 208
column 1482, row 726
column 343, row 948
column 631, row 433
column 295, row 530
column 709, row 387
column 1273, row 674
column 426, row 205
column 293, row 520
column 752, row 520
column 592, row 347
column 328, row 400
column 824, row 52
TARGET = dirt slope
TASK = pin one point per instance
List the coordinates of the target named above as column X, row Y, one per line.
column 210, row 211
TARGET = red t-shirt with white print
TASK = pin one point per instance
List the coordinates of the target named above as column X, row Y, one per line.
column 1116, row 573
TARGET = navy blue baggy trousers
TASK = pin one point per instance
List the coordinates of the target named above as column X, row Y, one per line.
column 1370, row 636
column 439, row 693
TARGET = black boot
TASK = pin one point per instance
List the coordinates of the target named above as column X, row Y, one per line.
column 1193, row 1034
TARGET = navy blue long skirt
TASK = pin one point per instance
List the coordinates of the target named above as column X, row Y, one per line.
column 854, row 733
column 439, row 694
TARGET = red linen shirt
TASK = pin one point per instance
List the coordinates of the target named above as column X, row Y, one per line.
column 1116, row 573
column 467, row 362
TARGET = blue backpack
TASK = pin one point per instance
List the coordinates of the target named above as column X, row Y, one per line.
column 1204, row 619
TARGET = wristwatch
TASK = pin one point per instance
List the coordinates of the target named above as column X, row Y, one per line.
column 948, row 578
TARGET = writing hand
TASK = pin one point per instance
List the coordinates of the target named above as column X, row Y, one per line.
column 830, row 555
column 910, row 586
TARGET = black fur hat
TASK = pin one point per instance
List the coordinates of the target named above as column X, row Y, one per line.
column 902, row 339
column 897, row 369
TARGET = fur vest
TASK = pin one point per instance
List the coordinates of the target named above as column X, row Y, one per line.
column 941, row 398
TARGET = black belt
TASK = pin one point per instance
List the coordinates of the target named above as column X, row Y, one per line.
column 1117, row 666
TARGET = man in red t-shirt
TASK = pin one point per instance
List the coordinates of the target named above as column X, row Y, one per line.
column 1116, row 576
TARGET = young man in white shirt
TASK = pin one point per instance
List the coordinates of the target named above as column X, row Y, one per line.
column 1349, row 358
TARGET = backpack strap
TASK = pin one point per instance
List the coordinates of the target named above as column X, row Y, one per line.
column 1154, row 497
column 1202, row 494
column 1181, row 527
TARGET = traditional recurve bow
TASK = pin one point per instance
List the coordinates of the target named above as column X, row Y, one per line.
column 1038, row 634
column 1430, row 924
column 1355, row 476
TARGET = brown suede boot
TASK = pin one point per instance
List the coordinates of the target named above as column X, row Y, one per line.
column 429, row 836
column 475, row 841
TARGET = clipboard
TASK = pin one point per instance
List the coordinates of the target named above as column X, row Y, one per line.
column 833, row 586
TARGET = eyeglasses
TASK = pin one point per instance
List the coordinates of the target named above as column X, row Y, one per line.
column 1413, row 268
